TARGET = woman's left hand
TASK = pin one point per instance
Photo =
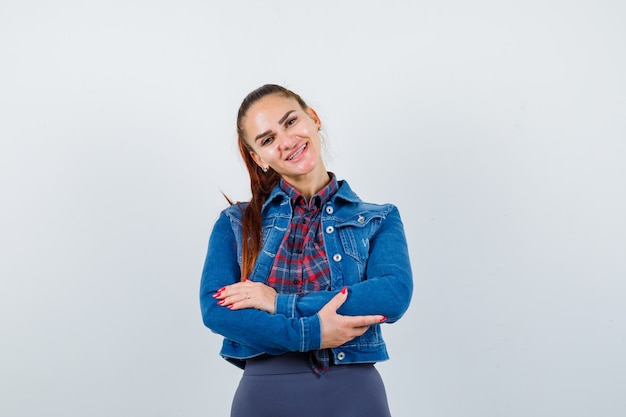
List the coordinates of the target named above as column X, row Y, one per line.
column 247, row 294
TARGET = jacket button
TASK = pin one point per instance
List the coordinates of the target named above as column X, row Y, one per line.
column 329, row 209
column 336, row 257
column 330, row 229
column 341, row 356
column 361, row 219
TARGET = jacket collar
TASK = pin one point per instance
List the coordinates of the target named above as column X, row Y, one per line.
column 344, row 193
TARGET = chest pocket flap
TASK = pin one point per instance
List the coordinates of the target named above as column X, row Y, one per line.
column 356, row 231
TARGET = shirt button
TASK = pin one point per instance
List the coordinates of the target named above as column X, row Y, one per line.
column 341, row 356
column 330, row 229
column 336, row 257
column 361, row 219
column 329, row 209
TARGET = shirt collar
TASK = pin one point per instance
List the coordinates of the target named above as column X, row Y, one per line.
column 318, row 200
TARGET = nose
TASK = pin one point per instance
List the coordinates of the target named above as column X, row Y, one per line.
column 286, row 141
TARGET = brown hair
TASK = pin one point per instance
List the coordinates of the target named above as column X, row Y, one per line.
column 261, row 183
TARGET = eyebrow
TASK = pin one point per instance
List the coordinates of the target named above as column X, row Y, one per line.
column 280, row 122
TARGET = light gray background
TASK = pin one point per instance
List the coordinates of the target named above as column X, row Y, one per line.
column 498, row 128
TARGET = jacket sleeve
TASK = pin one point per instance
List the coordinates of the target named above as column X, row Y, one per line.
column 386, row 289
column 269, row 333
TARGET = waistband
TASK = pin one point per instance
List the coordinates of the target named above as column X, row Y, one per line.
column 288, row 363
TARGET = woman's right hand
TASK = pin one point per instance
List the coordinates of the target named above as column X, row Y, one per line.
column 338, row 329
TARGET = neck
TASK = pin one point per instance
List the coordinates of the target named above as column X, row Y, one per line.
column 310, row 184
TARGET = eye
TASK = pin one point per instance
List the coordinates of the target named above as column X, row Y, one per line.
column 291, row 121
column 267, row 140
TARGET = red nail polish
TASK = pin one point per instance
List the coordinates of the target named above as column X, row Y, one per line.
column 344, row 289
column 221, row 289
column 216, row 295
column 221, row 302
column 383, row 319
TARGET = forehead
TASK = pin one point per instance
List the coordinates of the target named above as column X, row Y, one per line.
column 272, row 105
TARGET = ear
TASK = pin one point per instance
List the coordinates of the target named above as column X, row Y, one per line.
column 257, row 159
column 313, row 115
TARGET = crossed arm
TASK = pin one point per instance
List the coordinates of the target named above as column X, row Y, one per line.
column 253, row 314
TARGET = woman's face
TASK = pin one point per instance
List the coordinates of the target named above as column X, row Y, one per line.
column 285, row 137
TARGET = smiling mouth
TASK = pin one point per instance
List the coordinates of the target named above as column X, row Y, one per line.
column 298, row 152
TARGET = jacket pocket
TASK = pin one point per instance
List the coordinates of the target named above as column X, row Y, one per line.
column 355, row 234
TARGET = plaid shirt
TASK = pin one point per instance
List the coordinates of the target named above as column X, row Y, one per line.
column 301, row 265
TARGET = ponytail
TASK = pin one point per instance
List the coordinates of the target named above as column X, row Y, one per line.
column 261, row 185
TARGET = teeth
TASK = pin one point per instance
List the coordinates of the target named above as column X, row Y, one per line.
column 297, row 153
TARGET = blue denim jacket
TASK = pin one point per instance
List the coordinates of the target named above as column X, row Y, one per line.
column 367, row 251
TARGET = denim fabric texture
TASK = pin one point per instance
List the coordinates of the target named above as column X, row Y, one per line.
column 367, row 251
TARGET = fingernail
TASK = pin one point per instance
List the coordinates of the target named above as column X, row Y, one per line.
column 220, row 302
column 217, row 294
column 221, row 289
column 344, row 289
column 383, row 319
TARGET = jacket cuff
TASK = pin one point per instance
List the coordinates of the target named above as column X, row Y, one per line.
column 311, row 333
column 285, row 304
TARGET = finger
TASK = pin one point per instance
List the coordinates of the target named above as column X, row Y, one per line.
column 240, row 302
column 364, row 321
column 219, row 294
column 236, row 301
column 229, row 291
column 336, row 302
column 225, row 302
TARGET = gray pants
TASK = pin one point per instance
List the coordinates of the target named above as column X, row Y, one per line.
column 286, row 386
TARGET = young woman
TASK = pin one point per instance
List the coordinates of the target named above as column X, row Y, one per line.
column 299, row 280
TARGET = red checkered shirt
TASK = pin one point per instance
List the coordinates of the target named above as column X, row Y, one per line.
column 301, row 265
